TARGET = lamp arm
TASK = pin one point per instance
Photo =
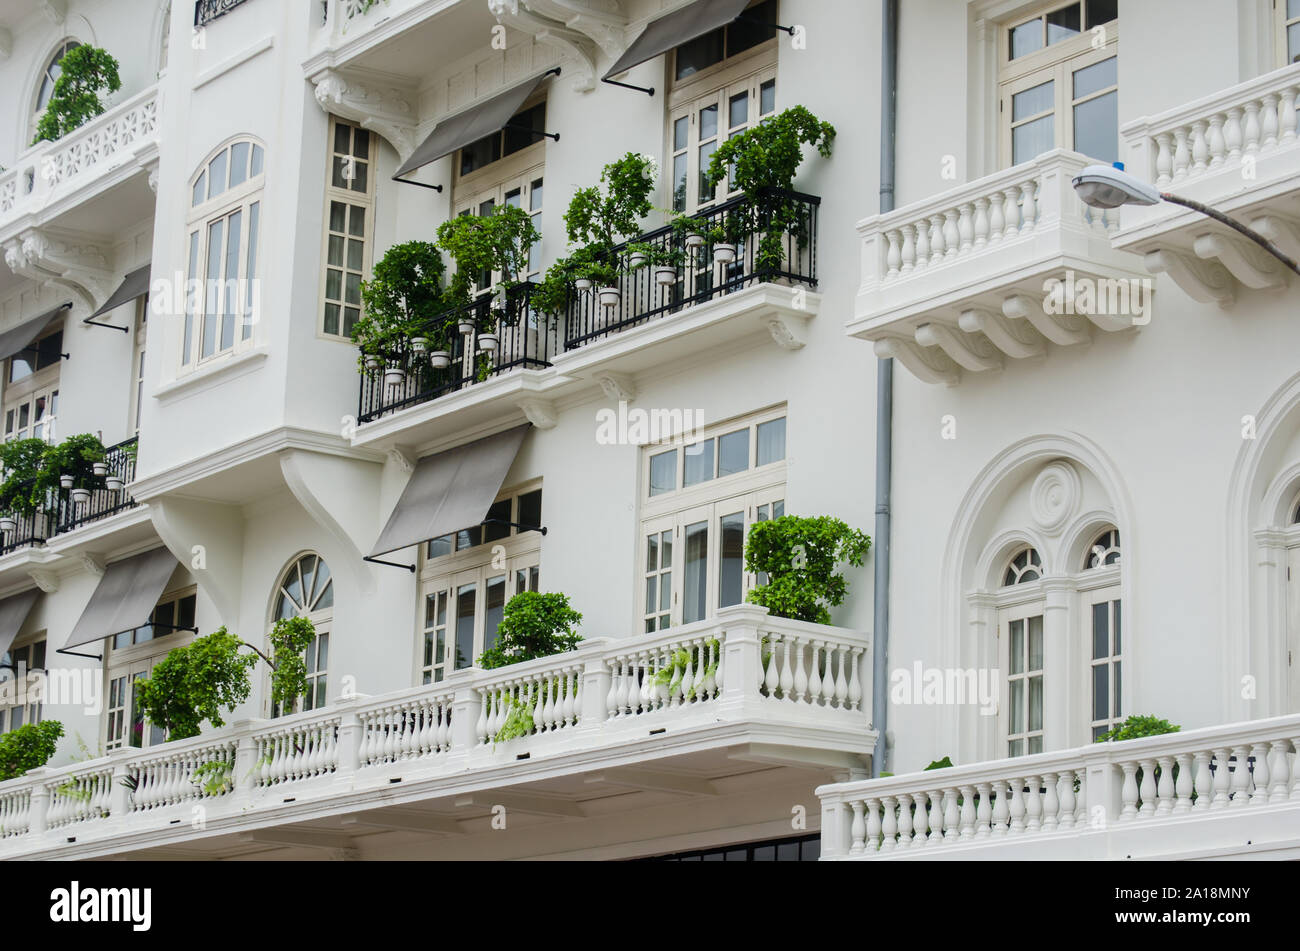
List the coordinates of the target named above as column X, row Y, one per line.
column 1235, row 225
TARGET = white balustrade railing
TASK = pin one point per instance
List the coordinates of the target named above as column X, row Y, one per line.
column 1105, row 786
column 406, row 729
column 298, row 750
column 103, row 143
column 956, row 225
column 183, row 776
column 15, row 812
column 1249, row 121
column 741, row 665
column 79, row 798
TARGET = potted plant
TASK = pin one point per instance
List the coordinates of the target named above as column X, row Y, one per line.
column 667, row 260
column 498, row 243
column 402, row 302
column 639, row 254
column 74, row 459
column 29, row 482
column 762, row 162
column 8, row 523
column 799, row 557
column 601, row 216
column 113, row 482
column 85, row 72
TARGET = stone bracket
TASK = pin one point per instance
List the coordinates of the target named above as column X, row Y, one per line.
column 577, row 50
column 384, row 110
column 49, row 258
column 1205, row 281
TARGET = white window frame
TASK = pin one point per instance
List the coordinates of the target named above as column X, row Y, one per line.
column 28, row 712
column 746, row 492
column 1056, row 64
column 493, row 182
column 137, row 362
column 520, row 551
column 351, row 198
column 60, row 50
column 240, row 199
column 1287, row 21
column 38, row 384
column 746, row 73
column 1020, row 603
column 322, row 619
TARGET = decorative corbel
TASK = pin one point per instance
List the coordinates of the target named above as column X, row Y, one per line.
column 926, row 364
column 1245, row 260
column 1013, row 338
column 45, row 579
column 93, row 564
column 577, row 51
column 970, row 352
column 1063, row 331
column 55, row 11
column 46, row 258
column 1282, row 232
column 399, row 457
column 541, row 413
column 384, row 110
column 617, row 386
column 1205, row 281
column 601, row 20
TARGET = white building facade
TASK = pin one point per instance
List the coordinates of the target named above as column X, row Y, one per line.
column 1079, row 400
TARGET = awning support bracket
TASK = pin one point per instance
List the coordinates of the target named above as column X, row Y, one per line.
column 648, row 90
column 99, row 657
column 539, row 132
column 775, row 26
column 91, row 322
column 391, row 564
column 407, row 181
column 519, row 525
column 34, row 349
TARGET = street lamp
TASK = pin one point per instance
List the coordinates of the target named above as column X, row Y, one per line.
column 1107, row 186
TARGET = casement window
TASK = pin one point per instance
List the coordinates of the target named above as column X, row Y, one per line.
column 700, row 499
column 15, row 668
column 1100, row 593
column 349, row 223
column 520, row 134
column 1288, row 30
column 49, row 76
column 137, row 363
column 1058, row 82
column 131, row 658
column 223, row 231
column 31, row 391
column 467, row 578
column 524, row 190
column 306, row 589
column 1020, row 633
column 724, row 83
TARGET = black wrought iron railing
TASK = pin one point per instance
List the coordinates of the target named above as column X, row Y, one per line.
column 485, row 338
column 781, row 245
column 108, row 497
column 27, row 530
column 205, row 11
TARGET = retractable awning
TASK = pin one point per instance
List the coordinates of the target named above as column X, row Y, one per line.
column 467, row 127
column 673, row 29
column 136, row 284
column 13, row 612
column 450, row 491
column 125, row 597
column 19, row 338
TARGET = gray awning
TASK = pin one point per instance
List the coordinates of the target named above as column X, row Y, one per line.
column 450, row 491
column 13, row 612
column 125, row 597
column 673, row 29
column 20, row 337
column 467, row 127
column 135, row 285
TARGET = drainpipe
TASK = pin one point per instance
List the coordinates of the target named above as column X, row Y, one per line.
column 884, row 402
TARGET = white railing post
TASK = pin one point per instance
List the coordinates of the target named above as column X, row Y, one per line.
column 595, row 688
column 835, row 828
column 119, row 796
column 1102, row 791
column 465, row 710
column 246, row 766
column 742, row 655
column 349, row 743
column 40, row 803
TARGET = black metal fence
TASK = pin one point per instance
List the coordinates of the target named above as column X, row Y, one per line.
column 104, row 501
column 487, row 337
column 29, row 530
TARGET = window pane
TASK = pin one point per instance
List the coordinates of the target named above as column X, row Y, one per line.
column 530, row 510
column 254, row 216
column 1036, row 642
column 357, row 221
column 738, row 110
column 663, row 472
column 200, row 189
column 256, row 165
column 1032, row 101
column 731, row 564
column 1118, row 693
column 697, row 567
column 700, row 53
column 1027, row 38
column 1017, row 650
column 1032, row 139
column 1118, row 649
column 652, row 552
column 238, row 163
column 1103, row 11
column 767, row 97
column 217, row 174
column 697, row 463
column 495, row 609
column 1096, row 77
column 1293, row 42
column 441, row 546
column 338, row 216
column 679, row 181
column 465, row 625
column 1096, row 127
column 757, row 27
column 213, row 306
column 231, row 304
column 733, row 453
column 1100, row 631
column 1100, row 695
column 1017, row 720
column 1063, row 24
column 1035, row 703
column 497, row 521
column 771, row 441
column 535, row 193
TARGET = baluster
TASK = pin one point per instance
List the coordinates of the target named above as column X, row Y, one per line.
column 624, row 700
column 1051, row 802
column 907, row 254
column 363, row 747
column 1147, row 788
column 893, row 253
column 873, row 825
column 771, row 679
column 1287, row 117
column 1278, row 776
column 688, row 675
column 1203, row 781
column 951, row 234
column 1221, row 779
column 1164, row 159
column 936, row 816
column 889, row 825
column 1200, row 146
column 841, row 682
column 800, row 692
column 480, row 728
column 1001, row 808
column 828, row 678
column 937, row 242
column 923, row 243
column 967, row 817
column 951, row 816
column 1029, row 206
column 1295, row 768
column 710, row 669
column 645, row 663
column 1240, row 778
column 1065, row 789
column 966, row 226
column 1252, row 133
column 1183, row 784
column 663, row 691
column 980, row 222
column 921, row 822
column 1129, row 792
column 814, row 675
column 1216, row 141
column 1182, row 153
column 904, row 821
column 1033, row 804
column 1011, row 211
column 1232, row 132
column 983, row 810
column 392, row 725
column 787, row 668
column 1268, row 121
column 1017, row 807
column 857, row 829
column 1164, row 785
column 997, row 221
column 615, row 678
column 570, row 698
column 1259, row 774
column 855, row 685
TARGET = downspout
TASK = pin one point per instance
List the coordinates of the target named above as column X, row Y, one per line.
column 884, row 404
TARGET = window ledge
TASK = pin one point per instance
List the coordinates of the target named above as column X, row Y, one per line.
column 213, row 374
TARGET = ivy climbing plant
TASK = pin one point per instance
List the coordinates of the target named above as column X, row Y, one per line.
column 86, row 72
column 799, row 556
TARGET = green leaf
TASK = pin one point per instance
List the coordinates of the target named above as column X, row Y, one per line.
column 799, row 557
column 533, row 625
column 84, row 73
column 28, row 747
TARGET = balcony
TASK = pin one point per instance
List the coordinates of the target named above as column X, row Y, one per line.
column 67, row 182
column 603, row 343
column 964, row 281
column 1236, row 151
column 1221, row 791
column 597, row 722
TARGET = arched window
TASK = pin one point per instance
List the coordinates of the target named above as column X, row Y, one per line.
column 307, row 590
column 1026, row 566
column 224, row 224
column 1104, row 550
column 45, row 87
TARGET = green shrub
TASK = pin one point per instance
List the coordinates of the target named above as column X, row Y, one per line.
column 404, row 298
column 28, row 747
column 533, row 625
column 799, row 557
column 1139, row 725
column 85, row 72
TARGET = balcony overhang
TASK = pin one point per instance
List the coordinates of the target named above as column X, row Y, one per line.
column 1238, row 152
column 998, row 269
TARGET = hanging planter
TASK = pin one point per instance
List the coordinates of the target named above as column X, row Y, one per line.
column 637, row 259
column 724, row 253
column 114, row 483
column 609, row 297
column 694, row 241
column 373, row 363
column 8, row 523
column 394, row 377
column 65, row 481
column 440, row 359
column 582, row 284
column 466, row 326
column 419, row 344
column 100, row 469
column 80, row 496
column 665, row 276
column 487, row 341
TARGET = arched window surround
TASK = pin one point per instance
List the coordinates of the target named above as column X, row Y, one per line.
column 305, row 588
